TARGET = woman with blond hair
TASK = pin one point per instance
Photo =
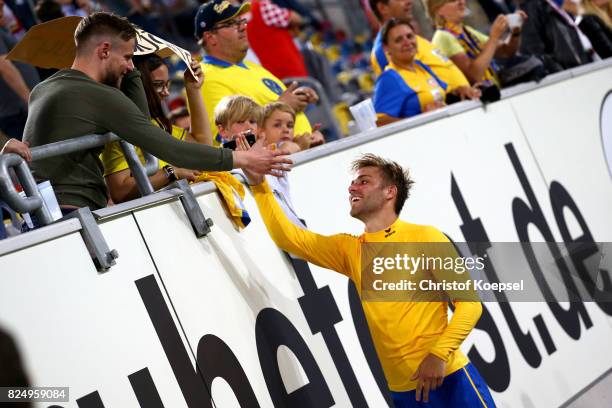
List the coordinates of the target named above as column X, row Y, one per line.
column 472, row 51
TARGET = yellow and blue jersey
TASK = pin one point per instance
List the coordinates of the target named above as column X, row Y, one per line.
column 401, row 93
column 245, row 78
column 429, row 55
column 404, row 333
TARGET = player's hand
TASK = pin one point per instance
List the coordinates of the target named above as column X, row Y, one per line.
column 429, row 376
column 192, row 82
column 18, row 147
column 258, row 161
column 298, row 101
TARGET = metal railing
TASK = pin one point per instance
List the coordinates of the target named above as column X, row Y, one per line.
column 33, row 203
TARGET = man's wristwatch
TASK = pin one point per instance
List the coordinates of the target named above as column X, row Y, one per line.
column 169, row 170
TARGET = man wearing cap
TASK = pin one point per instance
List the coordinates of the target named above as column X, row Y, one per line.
column 220, row 29
column 426, row 53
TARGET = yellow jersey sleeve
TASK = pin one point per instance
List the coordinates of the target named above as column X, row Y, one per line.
column 466, row 312
column 330, row 252
column 464, row 319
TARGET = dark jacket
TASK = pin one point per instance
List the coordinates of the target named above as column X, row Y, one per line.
column 550, row 37
column 599, row 34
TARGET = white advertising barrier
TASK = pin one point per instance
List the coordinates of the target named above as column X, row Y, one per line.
column 84, row 330
column 227, row 320
column 237, row 298
column 244, row 336
column 567, row 127
column 500, row 175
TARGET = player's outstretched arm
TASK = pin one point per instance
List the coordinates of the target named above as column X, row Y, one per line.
column 331, row 252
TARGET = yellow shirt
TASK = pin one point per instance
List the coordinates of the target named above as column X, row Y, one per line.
column 114, row 161
column 404, row 333
column 429, row 55
column 401, row 93
column 247, row 78
column 450, row 46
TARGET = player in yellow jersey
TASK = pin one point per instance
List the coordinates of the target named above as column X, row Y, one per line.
column 417, row 345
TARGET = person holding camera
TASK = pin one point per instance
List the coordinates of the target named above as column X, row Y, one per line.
column 472, row 51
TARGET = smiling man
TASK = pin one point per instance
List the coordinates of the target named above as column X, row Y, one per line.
column 85, row 99
column 417, row 345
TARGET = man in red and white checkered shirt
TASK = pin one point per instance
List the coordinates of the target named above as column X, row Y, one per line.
column 269, row 33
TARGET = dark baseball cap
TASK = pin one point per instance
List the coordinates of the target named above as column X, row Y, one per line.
column 215, row 12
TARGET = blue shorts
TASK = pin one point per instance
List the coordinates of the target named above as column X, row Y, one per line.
column 464, row 388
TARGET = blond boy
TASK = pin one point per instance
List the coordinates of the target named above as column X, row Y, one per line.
column 236, row 115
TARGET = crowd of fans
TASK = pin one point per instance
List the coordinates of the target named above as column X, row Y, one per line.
column 532, row 39
column 421, row 57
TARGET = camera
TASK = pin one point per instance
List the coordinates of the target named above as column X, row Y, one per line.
column 250, row 137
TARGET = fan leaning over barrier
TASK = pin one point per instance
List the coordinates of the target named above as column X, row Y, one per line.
column 84, row 99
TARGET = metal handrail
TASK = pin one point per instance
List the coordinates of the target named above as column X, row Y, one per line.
column 87, row 142
column 326, row 107
column 140, row 174
column 33, row 202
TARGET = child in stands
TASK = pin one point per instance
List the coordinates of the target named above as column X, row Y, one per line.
column 273, row 125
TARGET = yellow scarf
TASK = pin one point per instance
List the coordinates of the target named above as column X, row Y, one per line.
column 232, row 192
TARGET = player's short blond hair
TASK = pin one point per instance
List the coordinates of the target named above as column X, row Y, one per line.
column 236, row 108
column 392, row 173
